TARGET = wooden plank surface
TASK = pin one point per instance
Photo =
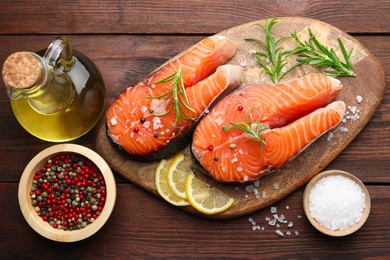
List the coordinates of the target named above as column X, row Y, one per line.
column 135, row 56
column 369, row 83
column 158, row 230
column 161, row 17
column 127, row 39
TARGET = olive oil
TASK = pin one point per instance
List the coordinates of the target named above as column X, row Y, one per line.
column 68, row 107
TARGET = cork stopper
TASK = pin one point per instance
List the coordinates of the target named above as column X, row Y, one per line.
column 21, row 70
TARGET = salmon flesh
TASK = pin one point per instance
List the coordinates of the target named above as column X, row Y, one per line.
column 143, row 120
column 287, row 116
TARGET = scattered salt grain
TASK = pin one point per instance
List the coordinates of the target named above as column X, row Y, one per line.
column 146, row 124
column 329, row 137
column 243, row 64
column 144, row 109
column 359, row 99
column 279, row 222
column 272, row 222
column 353, row 109
column 264, row 194
column 336, row 202
column 344, row 129
column 279, row 233
column 276, row 186
column 281, row 218
column 249, row 188
column 257, row 183
column 156, row 123
column 113, row 121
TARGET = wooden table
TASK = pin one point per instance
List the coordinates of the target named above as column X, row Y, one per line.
column 127, row 40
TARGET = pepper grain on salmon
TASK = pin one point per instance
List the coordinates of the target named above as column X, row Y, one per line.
column 286, row 108
column 145, row 127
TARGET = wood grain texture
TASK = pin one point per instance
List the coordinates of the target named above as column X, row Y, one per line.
column 176, row 16
column 135, row 56
column 127, row 40
column 316, row 157
column 143, row 227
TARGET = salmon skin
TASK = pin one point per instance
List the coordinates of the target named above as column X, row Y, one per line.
column 292, row 115
column 143, row 122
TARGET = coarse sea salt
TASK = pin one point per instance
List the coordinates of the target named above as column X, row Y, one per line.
column 114, row 121
column 336, row 202
column 243, row 64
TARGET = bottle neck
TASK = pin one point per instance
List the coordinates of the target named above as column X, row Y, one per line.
column 49, row 91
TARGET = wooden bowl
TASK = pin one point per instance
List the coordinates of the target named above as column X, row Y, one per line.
column 324, row 230
column 43, row 227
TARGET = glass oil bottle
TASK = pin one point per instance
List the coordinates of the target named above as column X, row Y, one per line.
column 58, row 97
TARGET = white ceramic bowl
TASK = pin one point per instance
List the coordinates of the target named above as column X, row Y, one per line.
column 336, row 233
column 43, row 227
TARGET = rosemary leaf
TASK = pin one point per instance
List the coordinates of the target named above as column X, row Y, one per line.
column 253, row 128
column 315, row 53
column 275, row 54
column 176, row 91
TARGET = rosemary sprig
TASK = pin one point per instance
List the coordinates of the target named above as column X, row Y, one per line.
column 175, row 90
column 315, row 53
column 253, row 128
column 274, row 55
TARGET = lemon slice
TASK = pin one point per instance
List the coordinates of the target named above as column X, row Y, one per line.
column 206, row 199
column 161, row 181
column 177, row 174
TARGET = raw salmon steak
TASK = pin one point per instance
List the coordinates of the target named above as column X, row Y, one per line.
column 133, row 121
column 287, row 118
column 149, row 129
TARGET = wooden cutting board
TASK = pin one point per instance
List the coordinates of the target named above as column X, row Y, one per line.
column 369, row 83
